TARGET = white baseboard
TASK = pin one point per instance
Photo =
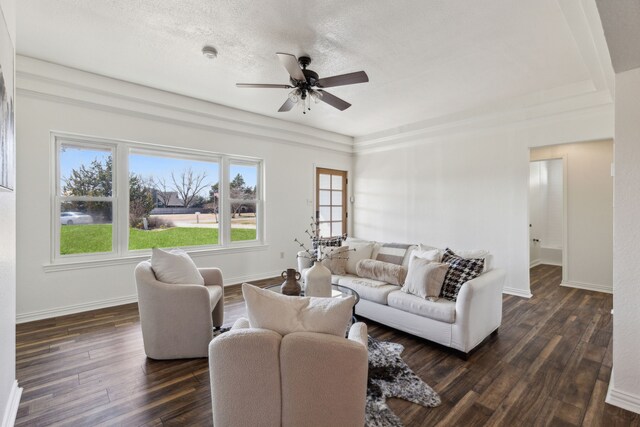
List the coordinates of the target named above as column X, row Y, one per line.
column 534, row 263
column 587, row 286
column 75, row 308
column 517, row 292
column 11, row 408
column 250, row 277
column 111, row 302
column 621, row 399
column 548, row 262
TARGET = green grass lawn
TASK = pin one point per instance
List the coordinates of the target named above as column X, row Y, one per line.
column 82, row 239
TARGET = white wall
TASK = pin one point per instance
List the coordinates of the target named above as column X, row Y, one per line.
column 47, row 106
column 589, row 212
column 9, row 393
column 466, row 190
column 624, row 388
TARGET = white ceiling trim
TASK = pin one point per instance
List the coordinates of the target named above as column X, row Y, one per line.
column 595, row 123
column 584, row 22
column 45, row 80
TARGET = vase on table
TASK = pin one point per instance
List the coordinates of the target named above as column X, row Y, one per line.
column 317, row 281
column 291, row 285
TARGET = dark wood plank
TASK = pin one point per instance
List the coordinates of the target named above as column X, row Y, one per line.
column 549, row 365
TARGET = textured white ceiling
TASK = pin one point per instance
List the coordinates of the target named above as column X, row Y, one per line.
column 621, row 22
column 425, row 58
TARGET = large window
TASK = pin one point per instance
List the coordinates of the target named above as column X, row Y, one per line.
column 116, row 198
column 175, row 198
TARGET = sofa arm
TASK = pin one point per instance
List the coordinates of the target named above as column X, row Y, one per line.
column 478, row 310
column 241, row 323
column 305, row 260
column 358, row 333
column 213, row 277
column 244, row 371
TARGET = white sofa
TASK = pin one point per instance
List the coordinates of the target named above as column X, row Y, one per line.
column 460, row 324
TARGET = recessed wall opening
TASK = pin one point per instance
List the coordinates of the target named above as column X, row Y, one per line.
column 571, row 212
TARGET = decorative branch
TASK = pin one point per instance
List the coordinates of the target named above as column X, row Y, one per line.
column 315, row 239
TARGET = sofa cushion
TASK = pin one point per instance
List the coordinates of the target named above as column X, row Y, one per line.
column 441, row 310
column 383, row 271
column 461, row 270
column 369, row 289
column 394, row 253
column 425, row 278
column 335, row 258
column 362, row 250
column 478, row 253
column 286, row 314
column 432, row 255
column 175, row 266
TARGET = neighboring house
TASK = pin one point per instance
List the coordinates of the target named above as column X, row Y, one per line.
column 174, row 201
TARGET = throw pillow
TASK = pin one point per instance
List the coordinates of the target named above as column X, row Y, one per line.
column 383, row 271
column 461, row 270
column 335, row 259
column 175, row 266
column 285, row 314
column 425, row 278
column 479, row 253
column 362, row 251
column 328, row 241
column 432, row 255
column 392, row 252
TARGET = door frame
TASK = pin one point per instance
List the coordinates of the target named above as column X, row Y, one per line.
column 345, row 188
column 565, row 222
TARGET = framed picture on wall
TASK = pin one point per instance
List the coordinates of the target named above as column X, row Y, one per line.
column 7, row 132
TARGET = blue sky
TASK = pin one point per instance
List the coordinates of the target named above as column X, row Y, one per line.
column 159, row 167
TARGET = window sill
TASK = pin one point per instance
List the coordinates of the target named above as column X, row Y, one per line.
column 142, row 256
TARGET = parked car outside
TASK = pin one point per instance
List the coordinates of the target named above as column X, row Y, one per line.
column 70, row 218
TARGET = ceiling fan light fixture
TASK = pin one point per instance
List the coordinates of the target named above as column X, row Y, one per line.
column 294, row 95
column 210, row 52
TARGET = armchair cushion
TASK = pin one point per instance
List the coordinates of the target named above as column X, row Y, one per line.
column 175, row 267
column 286, row 314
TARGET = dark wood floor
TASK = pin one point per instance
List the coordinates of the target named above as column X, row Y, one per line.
column 549, row 365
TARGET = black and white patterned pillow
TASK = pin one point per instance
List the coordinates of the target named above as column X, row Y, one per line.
column 328, row 241
column 461, row 270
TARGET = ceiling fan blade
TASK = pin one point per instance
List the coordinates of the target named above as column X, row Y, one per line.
column 260, row 85
column 334, row 101
column 343, row 79
column 288, row 105
column 290, row 62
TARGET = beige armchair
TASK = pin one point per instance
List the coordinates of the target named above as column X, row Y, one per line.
column 178, row 320
column 259, row 377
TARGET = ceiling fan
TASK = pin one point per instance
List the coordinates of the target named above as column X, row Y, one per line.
column 307, row 85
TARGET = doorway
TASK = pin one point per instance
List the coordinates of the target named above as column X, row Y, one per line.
column 585, row 200
column 547, row 206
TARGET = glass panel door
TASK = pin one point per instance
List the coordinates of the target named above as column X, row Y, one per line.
column 331, row 202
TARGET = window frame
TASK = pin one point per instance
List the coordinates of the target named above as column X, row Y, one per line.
column 229, row 201
column 121, row 150
column 58, row 198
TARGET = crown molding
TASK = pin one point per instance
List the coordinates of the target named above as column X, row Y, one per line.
column 596, row 106
column 44, row 80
